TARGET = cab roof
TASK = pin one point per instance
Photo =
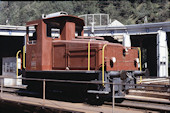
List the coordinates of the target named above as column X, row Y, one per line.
column 79, row 22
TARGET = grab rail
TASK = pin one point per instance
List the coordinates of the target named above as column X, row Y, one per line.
column 17, row 62
column 24, row 56
column 103, row 63
column 140, row 63
column 89, row 56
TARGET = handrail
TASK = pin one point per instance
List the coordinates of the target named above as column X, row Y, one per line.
column 140, row 63
column 89, row 56
column 79, row 82
column 87, row 82
column 103, row 63
column 140, row 58
column 24, row 56
column 17, row 62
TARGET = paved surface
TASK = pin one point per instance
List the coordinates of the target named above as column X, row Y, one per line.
column 80, row 107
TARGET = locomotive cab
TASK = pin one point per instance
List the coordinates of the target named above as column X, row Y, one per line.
column 39, row 47
column 80, row 58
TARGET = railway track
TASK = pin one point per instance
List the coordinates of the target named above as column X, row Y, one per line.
column 149, row 97
column 137, row 102
column 12, row 89
column 18, row 90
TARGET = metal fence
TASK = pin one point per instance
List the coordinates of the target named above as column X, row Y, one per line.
column 81, row 82
column 97, row 19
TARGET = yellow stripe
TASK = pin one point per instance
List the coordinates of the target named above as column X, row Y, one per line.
column 89, row 56
column 17, row 62
column 140, row 63
column 24, row 56
column 103, row 63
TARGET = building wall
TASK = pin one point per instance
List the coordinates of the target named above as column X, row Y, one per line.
column 9, row 45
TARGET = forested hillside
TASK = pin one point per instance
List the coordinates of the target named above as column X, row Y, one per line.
column 126, row 11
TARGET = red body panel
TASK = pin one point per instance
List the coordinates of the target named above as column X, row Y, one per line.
column 74, row 55
column 70, row 53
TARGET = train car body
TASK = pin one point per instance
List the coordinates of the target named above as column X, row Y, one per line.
column 79, row 58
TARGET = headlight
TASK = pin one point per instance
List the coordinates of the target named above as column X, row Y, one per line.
column 137, row 60
column 113, row 59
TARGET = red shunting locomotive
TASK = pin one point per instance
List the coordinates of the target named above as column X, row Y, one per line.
column 79, row 58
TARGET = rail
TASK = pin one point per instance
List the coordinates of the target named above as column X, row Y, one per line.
column 79, row 82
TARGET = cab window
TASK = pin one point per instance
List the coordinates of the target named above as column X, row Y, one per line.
column 52, row 30
column 32, row 34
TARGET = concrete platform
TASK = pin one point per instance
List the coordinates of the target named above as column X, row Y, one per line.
column 58, row 105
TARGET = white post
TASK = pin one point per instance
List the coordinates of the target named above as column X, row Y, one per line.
column 126, row 40
column 162, row 54
column 2, row 80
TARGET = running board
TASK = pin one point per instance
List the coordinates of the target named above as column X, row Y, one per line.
column 98, row 92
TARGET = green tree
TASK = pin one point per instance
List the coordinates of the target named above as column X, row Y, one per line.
column 125, row 11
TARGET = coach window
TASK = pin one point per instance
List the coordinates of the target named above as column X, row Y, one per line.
column 32, row 34
column 52, row 30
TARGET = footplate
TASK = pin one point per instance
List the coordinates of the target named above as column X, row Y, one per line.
column 98, row 92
